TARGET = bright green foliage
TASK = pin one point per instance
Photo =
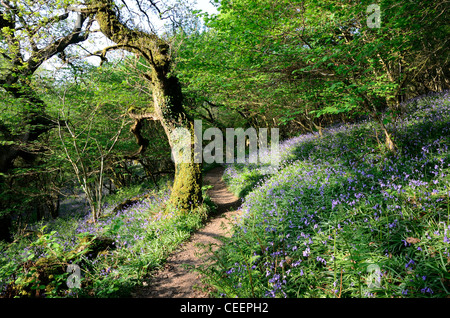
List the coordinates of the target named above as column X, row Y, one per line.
column 92, row 133
column 338, row 203
column 306, row 62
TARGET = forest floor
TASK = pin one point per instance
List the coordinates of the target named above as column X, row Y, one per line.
column 177, row 279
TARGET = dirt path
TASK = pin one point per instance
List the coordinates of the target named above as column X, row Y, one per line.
column 175, row 281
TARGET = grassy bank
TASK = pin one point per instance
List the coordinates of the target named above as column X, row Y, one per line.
column 342, row 217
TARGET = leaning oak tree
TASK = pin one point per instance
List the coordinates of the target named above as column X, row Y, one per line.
column 31, row 33
column 166, row 90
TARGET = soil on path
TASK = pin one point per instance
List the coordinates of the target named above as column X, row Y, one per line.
column 176, row 280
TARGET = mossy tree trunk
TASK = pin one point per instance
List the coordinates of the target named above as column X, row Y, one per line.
column 167, row 100
column 21, row 31
column 167, row 97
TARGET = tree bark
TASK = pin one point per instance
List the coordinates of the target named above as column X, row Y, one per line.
column 167, row 100
column 16, row 81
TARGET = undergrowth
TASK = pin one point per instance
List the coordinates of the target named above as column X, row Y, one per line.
column 73, row 257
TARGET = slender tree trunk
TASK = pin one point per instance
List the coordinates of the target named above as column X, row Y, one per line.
column 389, row 142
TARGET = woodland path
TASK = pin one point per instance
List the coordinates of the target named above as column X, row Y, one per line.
column 175, row 280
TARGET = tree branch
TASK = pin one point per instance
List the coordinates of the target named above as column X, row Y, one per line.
column 40, row 56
